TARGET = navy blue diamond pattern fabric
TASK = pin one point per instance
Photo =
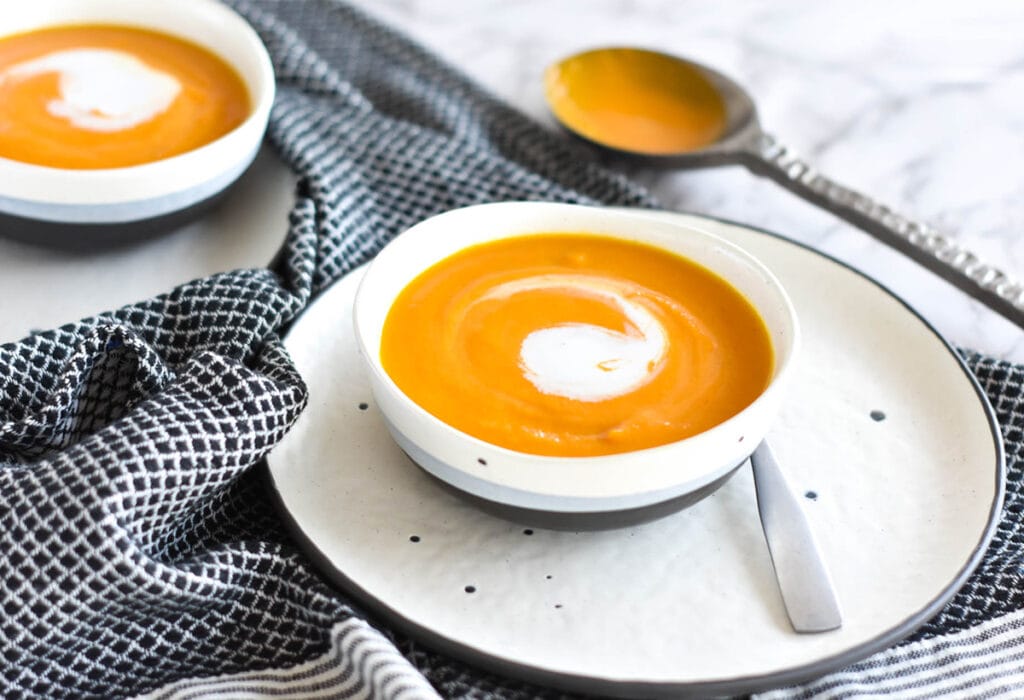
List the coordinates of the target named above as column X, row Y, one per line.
column 997, row 585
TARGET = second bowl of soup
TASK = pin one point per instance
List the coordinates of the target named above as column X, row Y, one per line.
column 573, row 360
column 118, row 117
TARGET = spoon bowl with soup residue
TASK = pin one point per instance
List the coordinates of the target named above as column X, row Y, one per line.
column 672, row 112
column 123, row 119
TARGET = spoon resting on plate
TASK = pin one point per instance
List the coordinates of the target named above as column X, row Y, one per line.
column 803, row 578
column 673, row 112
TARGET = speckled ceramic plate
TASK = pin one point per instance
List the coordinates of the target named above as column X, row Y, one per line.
column 885, row 432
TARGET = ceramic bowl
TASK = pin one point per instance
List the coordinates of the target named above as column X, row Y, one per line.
column 83, row 207
column 602, row 490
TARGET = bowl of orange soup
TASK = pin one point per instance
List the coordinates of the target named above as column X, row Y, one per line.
column 588, row 364
column 119, row 116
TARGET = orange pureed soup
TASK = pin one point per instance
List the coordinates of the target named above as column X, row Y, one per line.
column 108, row 96
column 575, row 345
column 636, row 100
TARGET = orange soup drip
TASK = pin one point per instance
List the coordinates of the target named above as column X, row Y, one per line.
column 636, row 100
column 575, row 345
column 105, row 96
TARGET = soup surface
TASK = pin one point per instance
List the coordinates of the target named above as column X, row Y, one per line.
column 107, row 96
column 575, row 345
column 636, row 100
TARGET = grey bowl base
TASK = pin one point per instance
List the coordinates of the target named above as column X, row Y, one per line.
column 578, row 522
column 90, row 237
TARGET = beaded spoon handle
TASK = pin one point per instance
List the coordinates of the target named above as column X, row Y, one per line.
column 935, row 251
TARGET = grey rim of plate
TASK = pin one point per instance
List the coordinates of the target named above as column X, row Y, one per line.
column 318, row 545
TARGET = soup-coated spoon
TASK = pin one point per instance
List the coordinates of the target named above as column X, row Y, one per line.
column 673, row 112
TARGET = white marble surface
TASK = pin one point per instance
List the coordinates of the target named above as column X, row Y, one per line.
column 918, row 104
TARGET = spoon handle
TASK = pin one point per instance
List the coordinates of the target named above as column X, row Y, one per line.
column 803, row 578
column 936, row 252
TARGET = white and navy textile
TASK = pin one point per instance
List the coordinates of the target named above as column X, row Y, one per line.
column 139, row 551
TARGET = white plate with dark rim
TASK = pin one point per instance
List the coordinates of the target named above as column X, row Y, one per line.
column 885, row 431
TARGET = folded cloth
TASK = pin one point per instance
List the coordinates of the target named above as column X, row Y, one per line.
column 140, row 553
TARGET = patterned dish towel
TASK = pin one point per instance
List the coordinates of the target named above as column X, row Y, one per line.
column 139, row 552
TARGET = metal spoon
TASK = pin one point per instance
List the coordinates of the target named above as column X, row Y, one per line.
column 744, row 142
column 803, row 578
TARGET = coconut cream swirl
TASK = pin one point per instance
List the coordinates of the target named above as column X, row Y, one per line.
column 583, row 361
column 101, row 89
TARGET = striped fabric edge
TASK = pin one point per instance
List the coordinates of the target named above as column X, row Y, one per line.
column 360, row 664
column 985, row 661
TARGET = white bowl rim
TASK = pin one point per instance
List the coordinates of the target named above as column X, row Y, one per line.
column 508, row 485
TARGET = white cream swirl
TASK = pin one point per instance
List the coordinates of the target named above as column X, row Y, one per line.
column 582, row 361
column 101, row 89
